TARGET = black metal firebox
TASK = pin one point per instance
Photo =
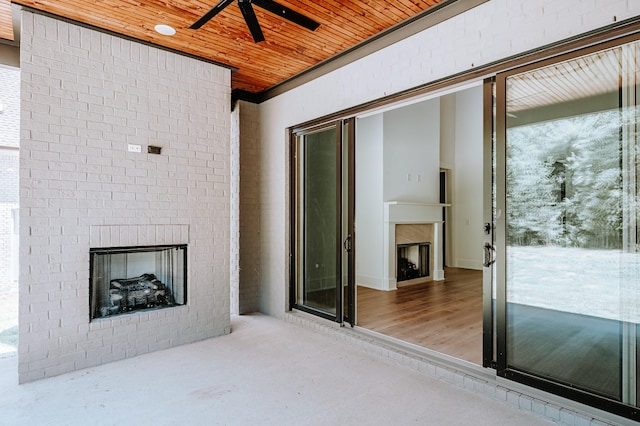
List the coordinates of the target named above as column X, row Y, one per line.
column 412, row 261
column 127, row 279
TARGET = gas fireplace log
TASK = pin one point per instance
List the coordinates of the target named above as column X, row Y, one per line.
column 145, row 291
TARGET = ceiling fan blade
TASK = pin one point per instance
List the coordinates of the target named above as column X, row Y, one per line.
column 210, row 14
column 251, row 19
column 288, row 14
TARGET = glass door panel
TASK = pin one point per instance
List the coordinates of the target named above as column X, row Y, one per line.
column 323, row 217
column 320, row 225
column 570, row 304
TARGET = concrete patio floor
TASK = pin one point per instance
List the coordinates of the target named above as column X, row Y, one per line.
column 266, row 372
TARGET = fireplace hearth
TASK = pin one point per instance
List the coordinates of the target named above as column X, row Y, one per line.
column 128, row 279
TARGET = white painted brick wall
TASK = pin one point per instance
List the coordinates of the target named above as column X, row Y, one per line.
column 235, row 212
column 85, row 96
column 245, row 211
column 490, row 32
column 249, row 223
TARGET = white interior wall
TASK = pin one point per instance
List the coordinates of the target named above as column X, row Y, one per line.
column 490, row 32
column 447, row 131
column 467, row 200
column 412, row 153
column 447, row 163
column 369, row 210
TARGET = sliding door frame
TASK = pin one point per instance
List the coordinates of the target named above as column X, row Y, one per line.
column 493, row 354
column 503, row 369
column 350, row 315
column 488, row 323
column 344, row 232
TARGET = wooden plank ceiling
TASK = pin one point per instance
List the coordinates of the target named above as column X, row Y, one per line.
column 582, row 78
column 288, row 49
column 6, row 24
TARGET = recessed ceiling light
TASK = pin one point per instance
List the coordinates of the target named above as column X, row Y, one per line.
column 165, row 29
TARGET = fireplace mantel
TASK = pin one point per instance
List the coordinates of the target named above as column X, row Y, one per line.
column 403, row 212
column 400, row 212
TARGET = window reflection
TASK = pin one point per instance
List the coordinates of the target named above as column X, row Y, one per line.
column 572, row 254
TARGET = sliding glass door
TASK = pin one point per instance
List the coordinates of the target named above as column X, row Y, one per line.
column 569, row 267
column 322, row 278
column 489, row 227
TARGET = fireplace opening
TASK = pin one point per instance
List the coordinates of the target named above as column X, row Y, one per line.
column 127, row 279
column 412, row 261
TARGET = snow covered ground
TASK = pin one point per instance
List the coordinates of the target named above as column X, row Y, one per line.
column 601, row 283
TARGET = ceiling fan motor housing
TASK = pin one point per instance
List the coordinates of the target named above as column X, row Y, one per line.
column 246, row 7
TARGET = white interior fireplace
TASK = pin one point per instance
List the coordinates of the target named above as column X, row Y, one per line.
column 419, row 214
column 127, row 279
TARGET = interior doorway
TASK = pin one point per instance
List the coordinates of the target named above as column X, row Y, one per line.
column 421, row 164
column 387, row 221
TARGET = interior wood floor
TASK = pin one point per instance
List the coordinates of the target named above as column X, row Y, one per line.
column 579, row 350
column 445, row 316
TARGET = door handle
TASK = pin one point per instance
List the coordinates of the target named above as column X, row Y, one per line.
column 347, row 243
column 489, row 255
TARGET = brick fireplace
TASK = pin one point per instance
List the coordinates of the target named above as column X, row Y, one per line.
column 87, row 96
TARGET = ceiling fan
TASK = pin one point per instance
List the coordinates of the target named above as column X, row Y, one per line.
column 246, row 7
